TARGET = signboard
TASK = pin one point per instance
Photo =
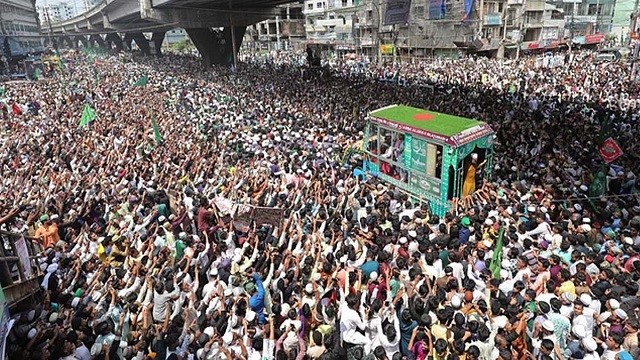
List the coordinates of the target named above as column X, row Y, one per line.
column 386, row 49
column 424, row 185
column 397, row 12
column 419, row 155
column 609, row 150
column 461, row 138
column 23, row 255
column 593, row 39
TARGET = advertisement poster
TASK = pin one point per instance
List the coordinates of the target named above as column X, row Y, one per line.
column 23, row 255
column 419, row 155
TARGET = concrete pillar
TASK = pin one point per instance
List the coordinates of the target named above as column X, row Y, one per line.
column 128, row 38
column 66, row 41
column 215, row 47
column 157, row 39
column 142, row 43
column 114, row 39
column 97, row 40
column 81, row 39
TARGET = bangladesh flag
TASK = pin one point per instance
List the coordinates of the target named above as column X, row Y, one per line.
column 142, row 81
column 88, row 115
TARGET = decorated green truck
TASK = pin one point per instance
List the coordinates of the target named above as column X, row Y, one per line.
column 432, row 156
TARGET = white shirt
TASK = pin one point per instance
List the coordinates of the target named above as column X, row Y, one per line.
column 390, row 347
column 350, row 320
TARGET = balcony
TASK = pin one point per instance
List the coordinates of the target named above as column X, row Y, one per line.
column 314, row 11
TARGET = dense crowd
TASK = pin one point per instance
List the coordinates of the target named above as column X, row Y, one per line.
column 144, row 259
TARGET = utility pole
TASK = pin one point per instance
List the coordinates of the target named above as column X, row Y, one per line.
column 595, row 30
column 481, row 26
column 379, row 26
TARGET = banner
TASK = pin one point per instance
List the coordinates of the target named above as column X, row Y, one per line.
column 397, row 12
column 23, row 255
column 468, row 8
column 242, row 217
column 609, row 150
column 267, row 215
column 435, row 9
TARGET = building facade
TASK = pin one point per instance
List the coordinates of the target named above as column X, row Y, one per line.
column 435, row 27
column 19, row 29
column 283, row 32
column 55, row 13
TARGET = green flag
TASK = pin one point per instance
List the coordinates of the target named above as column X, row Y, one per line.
column 496, row 259
column 62, row 63
column 88, row 115
column 599, row 185
column 2, row 90
column 156, row 131
column 142, row 81
column 37, row 73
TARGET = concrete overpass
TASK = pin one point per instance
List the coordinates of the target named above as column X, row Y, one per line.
column 216, row 27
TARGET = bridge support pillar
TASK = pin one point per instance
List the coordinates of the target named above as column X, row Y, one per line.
column 66, row 41
column 157, row 39
column 128, row 38
column 113, row 39
column 142, row 43
column 81, row 39
column 97, row 40
column 216, row 47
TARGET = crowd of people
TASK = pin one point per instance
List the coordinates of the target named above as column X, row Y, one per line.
column 145, row 256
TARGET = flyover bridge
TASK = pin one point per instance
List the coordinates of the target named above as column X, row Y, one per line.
column 216, row 27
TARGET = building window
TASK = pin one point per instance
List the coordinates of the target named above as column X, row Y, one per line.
column 310, row 6
column 419, row 11
column 318, row 5
column 345, row 3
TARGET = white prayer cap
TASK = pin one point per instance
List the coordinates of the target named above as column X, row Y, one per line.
column 250, row 316
column 614, row 304
column 579, row 331
column 589, row 344
column 621, row 314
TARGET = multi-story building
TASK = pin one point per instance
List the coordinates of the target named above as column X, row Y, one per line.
column 282, row 32
column 55, row 13
column 623, row 13
column 19, row 29
column 587, row 20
